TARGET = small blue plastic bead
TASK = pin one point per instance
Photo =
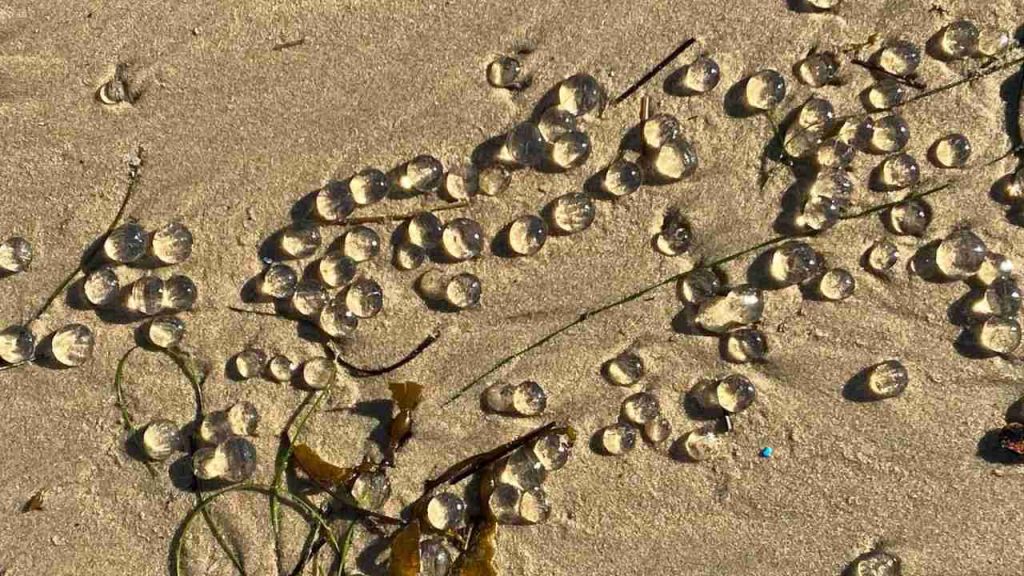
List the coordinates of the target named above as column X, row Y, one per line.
column 767, row 452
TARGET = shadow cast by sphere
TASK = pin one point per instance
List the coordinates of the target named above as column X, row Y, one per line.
column 856, row 388
column 991, row 450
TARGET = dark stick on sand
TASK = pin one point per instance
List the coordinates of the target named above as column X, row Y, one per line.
column 654, row 71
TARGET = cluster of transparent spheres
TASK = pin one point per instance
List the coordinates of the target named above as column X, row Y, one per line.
column 640, row 412
column 227, row 453
column 316, row 373
column 513, row 491
column 69, row 346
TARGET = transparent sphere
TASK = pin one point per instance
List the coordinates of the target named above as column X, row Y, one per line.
column 525, row 144
column 910, row 218
column 891, row 134
column 820, row 213
column 503, row 503
column 422, row 174
column 857, row 133
column 361, row 243
column 249, row 363
column 126, row 243
column 15, row 254
column 701, row 76
column 445, row 511
column 1002, row 298
column 740, row 306
column 580, row 94
column 735, row 393
column 998, row 335
column 836, row 284
column 795, row 262
column 573, row 212
column 364, row 298
column 102, row 286
column 371, row 489
column 617, row 439
column 309, row 298
column 72, row 345
column 900, row 58
column 337, row 320
column 239, row 459
column 675, row 236
column 959, row 39
column 570, row 150
column 368, row 187
column 824, row 4
column 529, row 398
column 834, row 154
column 522, row 469
column 214, row 428
column 462, row 183
column 424, row 230
column 657, row 430
column 803, row 142
column 816, row 111
column 318, row 373
column 527, row 234
column 160, row 439
column 334, row 202
column 243, row 418
column 876, row 563
column 208, row 463
column 534, row 507
column 765, row 90
column 887, row 379
column 463, row 239
column 835, row 184
column 960, row 254
column 701, row 444
column 746, row 345
column 552, row 451
column 463, row 291
column 993, row 41
column 952, row 151
column 641, row 408
column 409, row 257
column 622, row 177
column 300, row 240
column 17, row 344
column 899, row 171
column 180, row 293
column 165, row 332
column 503, row 71
column 659, row 130
column 435, row 558
column 674, row 160
column 147, row 295
column 818, row 69
column 699, row 286
column 279, row 280
column 494, row 180
column 887, row 94
column 172, row 244
column 882, row 256
column 281, row 368
column 556, row 122
column 625, row 369
column 994, row 267
column 336, row 269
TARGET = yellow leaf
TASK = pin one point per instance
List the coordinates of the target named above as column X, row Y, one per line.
column 405, row 551
column 319, row 469
column 478, row 560
column 407, row 395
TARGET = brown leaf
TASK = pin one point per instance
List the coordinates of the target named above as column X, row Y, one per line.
column 407, row 395
column 478, row 560
column 405, row 551
column 400, row 431
column 34, row 504
column 319, row 469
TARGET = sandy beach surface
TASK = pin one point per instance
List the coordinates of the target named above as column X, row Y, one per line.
column 233, row 132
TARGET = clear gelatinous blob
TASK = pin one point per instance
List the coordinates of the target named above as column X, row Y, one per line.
column 279, row 280
column 319, row 372
column 15, row 254
column 701, row 444
column 462, row 183
column 818, row 69
column 214, row 427
column 503, row 503
column 361, row 243
column 126, row 243
column 910, row 218
column 900, row 57
column 998, row 335
column 281, row 368
column 1002, row 298
column 147, row 295
column 795, row 262
column 993, row 41
column 699, row 286
column 172, row 244
column 421, row 174
column 820, row 213
column 371, row 489
column 494, row 180
column 660, row 129
column 445, row 511
column 409, row 257
column 424, row 230
column 369, row 186
column 701, row 76
column 336, row 269
column 617, row 439
column 657, row 430
column 746, row 345
column 953, row 151
column 899, row 171
column 300, row 240
column 165, row 332
column 180, row 293
column 534, row 507
column 641, row 408
column 309, row 298
column 835, row 184
column 857, row 132
column 816, row 111
column 833, row 153
column 556, row 122
column 675, row 236
column 249, row 363
column 876, row 563
column 625, row 369
column 740, row 306
column 463, row 239
column 160, row 439
column 836, row 284
column 552, row 450
column 573, row 212
column 886, row 94
column 17, row 344
column 570, row 150
column 503, row 72
column 365, row 298
column 765, row 90
column 735, row 393
column 674, row 161
column 580, row 94
column 529, row 398
column 959, row 39
column 435, row 558
column 994, row 267
column 525, row 144
column 960, row 254
column 208, row 463
column 523, row 469
column 882, row 255
column 803, row 142
column 334, row 202
column 527, row 234
column 622, row 177
column 239, row 456
column 243, row 418
column 886, row 379
column 337, row 320
column 102, row 286
column 463, row 291
column 890, row 134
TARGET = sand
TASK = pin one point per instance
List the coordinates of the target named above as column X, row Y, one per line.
column 234, row 132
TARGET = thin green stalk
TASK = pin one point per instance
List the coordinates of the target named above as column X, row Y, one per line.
column 126, row 418
column 346, row 546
